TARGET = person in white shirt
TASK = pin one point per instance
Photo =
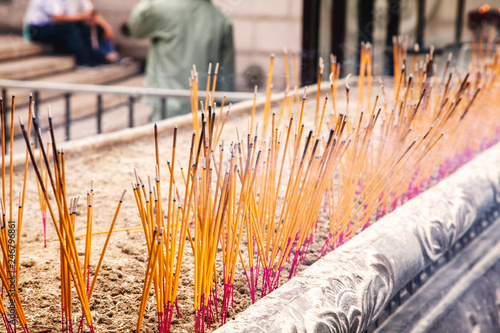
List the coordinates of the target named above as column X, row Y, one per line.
column 67, row 25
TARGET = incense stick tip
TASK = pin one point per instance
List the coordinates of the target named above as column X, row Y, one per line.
column 347, row 81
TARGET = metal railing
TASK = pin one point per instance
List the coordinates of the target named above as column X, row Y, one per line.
column 133, row 93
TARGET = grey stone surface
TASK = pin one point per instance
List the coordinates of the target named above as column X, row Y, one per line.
column 347, row 289
column 462, row 296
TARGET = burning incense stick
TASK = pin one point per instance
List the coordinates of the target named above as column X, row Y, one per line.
column 11, row 232
column 70, row 264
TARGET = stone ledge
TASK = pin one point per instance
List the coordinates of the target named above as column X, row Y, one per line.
column 462, row 296
column 347, row 289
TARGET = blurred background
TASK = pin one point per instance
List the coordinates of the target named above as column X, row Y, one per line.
column 309, row 28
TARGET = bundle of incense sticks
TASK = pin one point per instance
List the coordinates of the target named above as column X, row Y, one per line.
column 405, row 152
column 166, row 226
column 263, row 196
column 165, row 239
column 216, row 204
column 64, row 224
column 10, row 232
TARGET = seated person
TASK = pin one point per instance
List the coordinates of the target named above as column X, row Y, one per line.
column 72, row 27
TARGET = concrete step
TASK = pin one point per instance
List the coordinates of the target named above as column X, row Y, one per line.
column 104, row 74
column 37, row 66
column 14, row 47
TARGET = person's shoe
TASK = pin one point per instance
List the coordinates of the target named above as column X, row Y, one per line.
column 125, row 61
column 113, row 57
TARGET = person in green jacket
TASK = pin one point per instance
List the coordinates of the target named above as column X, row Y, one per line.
column 183, row 33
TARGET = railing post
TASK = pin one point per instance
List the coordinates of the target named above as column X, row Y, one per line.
column 163, row 102
column 68, row 115
column 99, row 114
column 131, row 100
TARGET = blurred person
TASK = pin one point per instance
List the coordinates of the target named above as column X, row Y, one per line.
column 183, row 33
column 72, row 26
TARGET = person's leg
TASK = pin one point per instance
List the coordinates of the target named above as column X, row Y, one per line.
column 71, row 38
column 94, row 56
column 48, row 34
column 106, row 47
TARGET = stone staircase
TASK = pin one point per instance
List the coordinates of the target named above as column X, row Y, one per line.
column 23, row 60
column 13, row 46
